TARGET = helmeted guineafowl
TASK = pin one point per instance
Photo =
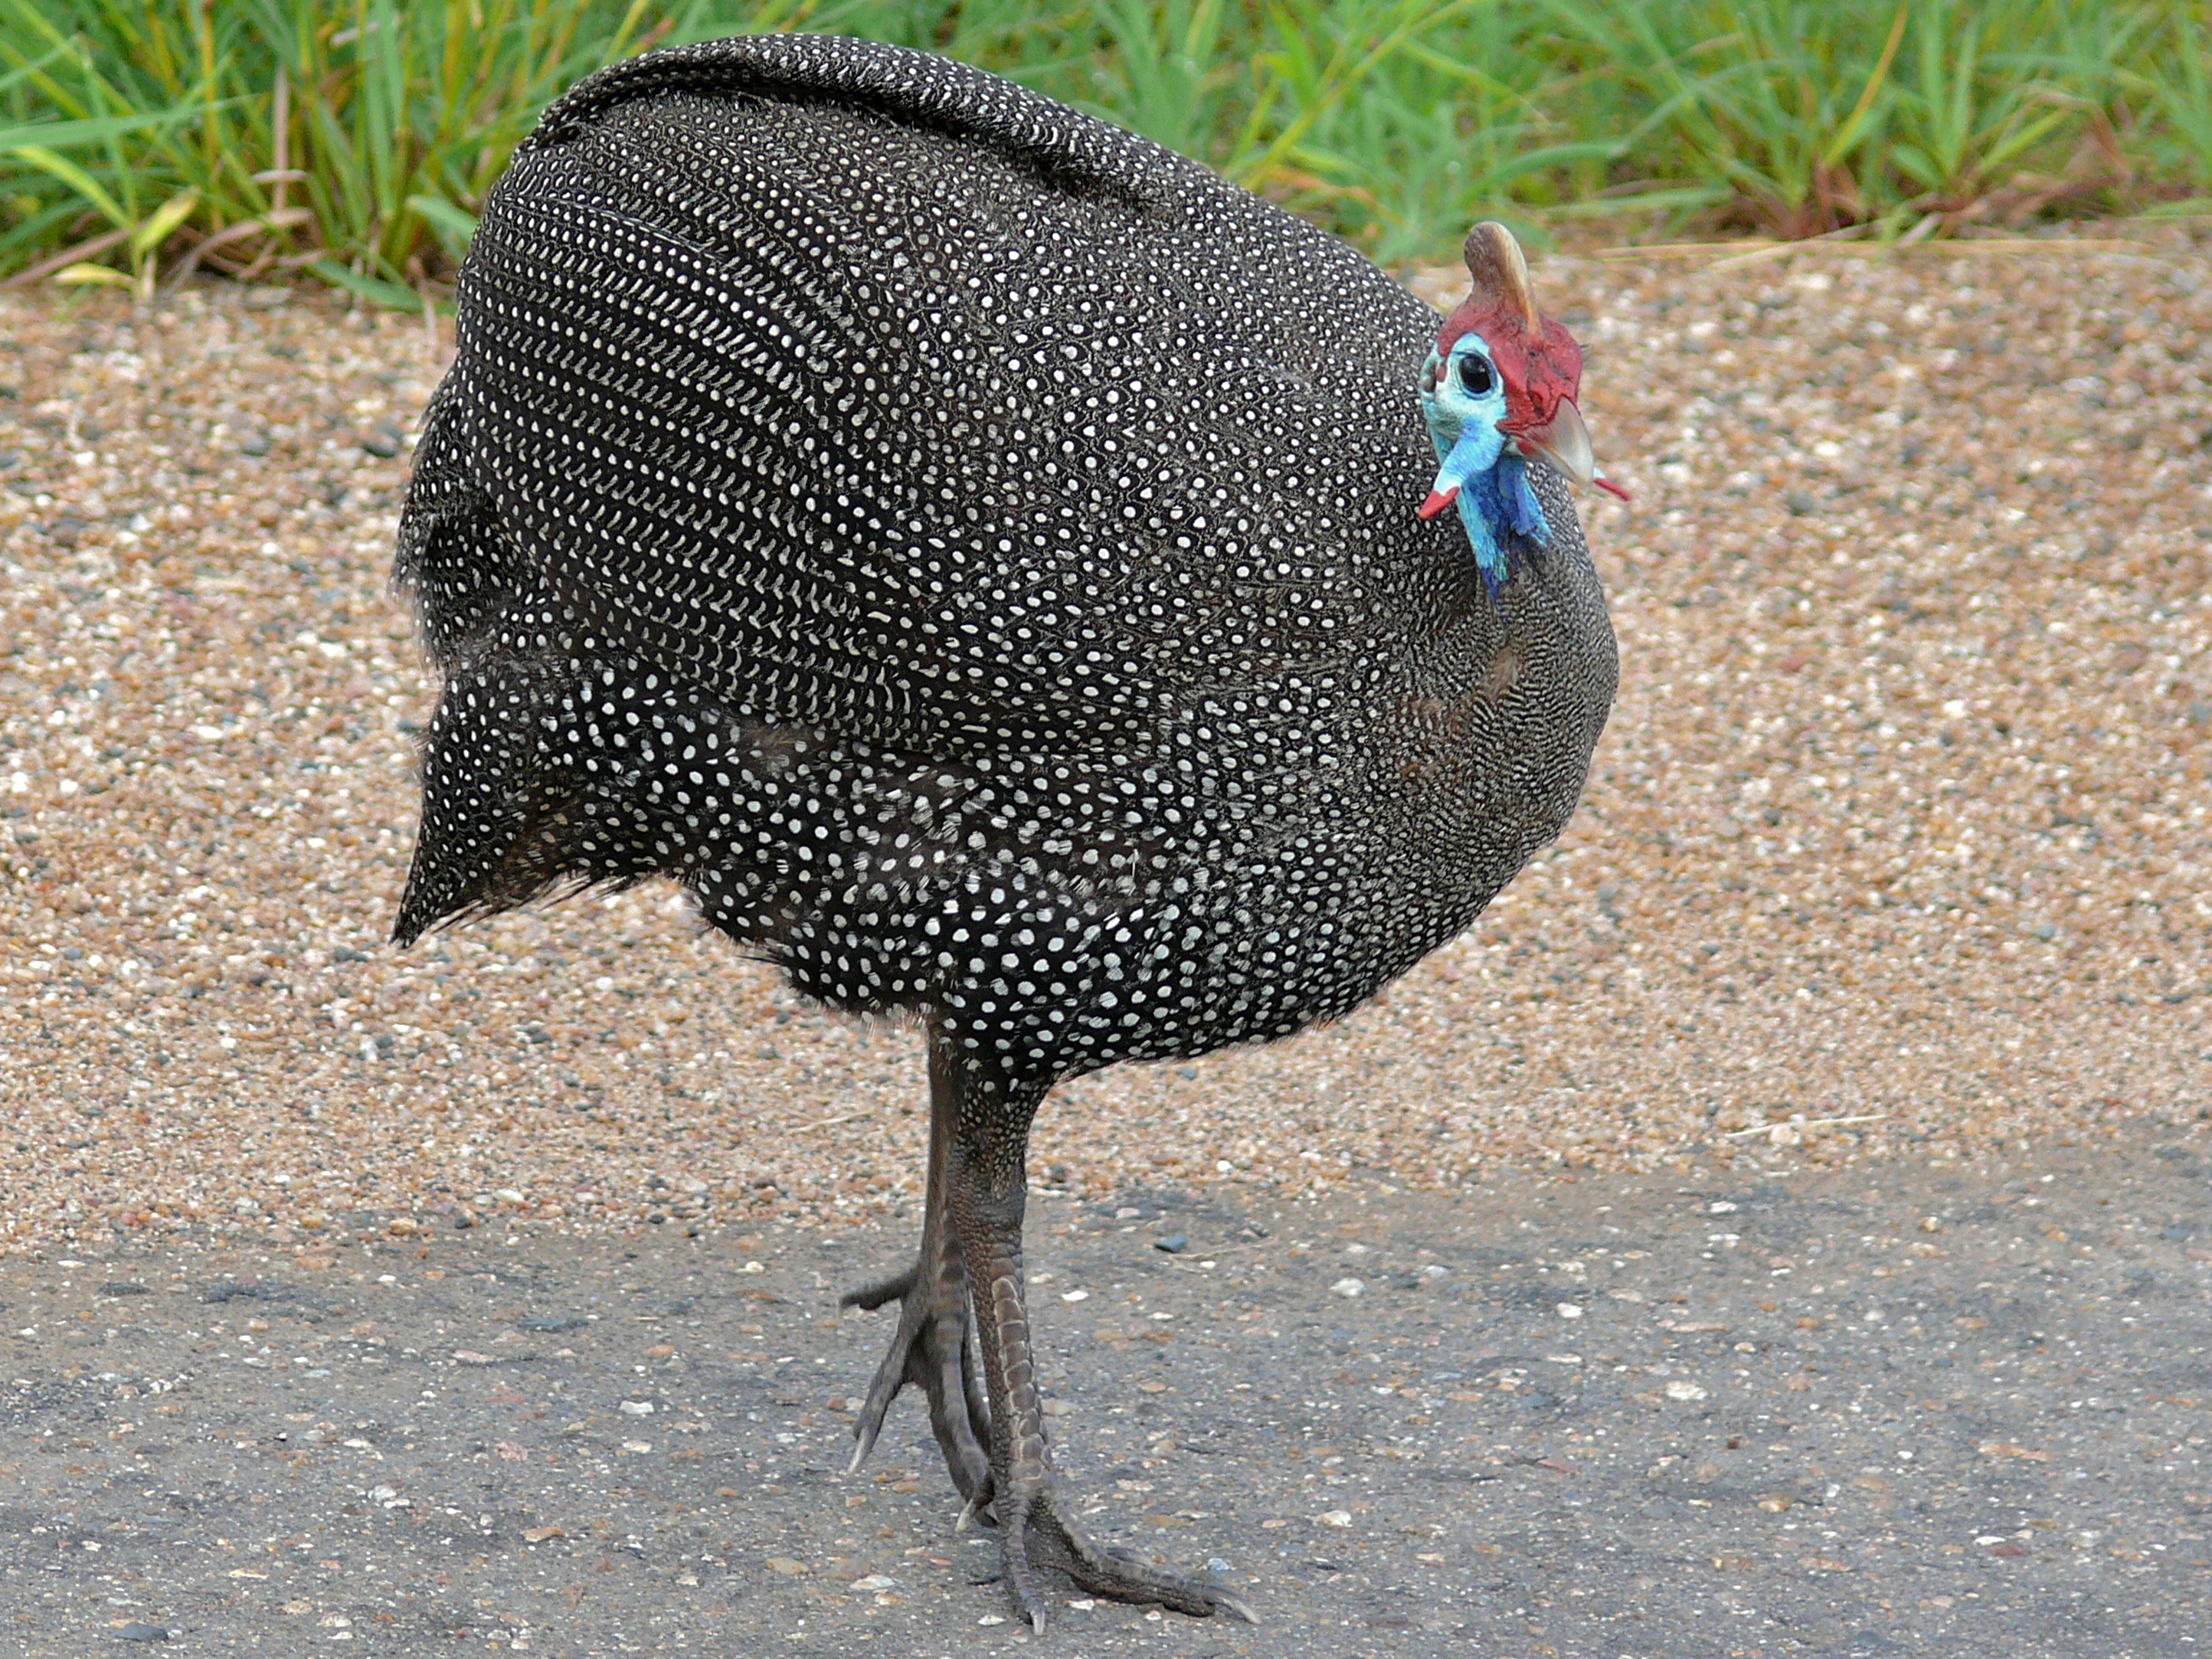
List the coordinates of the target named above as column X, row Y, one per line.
column 983, row 557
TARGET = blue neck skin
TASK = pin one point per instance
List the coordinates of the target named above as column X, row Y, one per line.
column 1495, row 502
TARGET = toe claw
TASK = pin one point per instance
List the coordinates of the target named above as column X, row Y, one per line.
column 968, row 1514
column 1230, row 1604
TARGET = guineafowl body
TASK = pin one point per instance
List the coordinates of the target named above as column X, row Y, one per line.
column 973, row 550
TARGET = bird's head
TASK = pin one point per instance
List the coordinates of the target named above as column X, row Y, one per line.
column 1498, row 391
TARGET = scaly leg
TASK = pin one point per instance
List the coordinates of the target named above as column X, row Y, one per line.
column 987, row 1186
column 933, row 1345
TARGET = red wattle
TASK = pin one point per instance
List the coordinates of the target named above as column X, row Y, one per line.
column 1611, row 488
column 1438, row 502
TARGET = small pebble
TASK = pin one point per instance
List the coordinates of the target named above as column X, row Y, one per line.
column 136, row 1631
column 1349, row 1287
column 1174, row 1244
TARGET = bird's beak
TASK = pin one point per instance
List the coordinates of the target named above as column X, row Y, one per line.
column 1563, row 443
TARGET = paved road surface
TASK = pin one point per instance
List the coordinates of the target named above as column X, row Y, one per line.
column 1898, row 1410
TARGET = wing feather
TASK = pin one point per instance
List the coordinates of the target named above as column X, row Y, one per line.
column 871, row 393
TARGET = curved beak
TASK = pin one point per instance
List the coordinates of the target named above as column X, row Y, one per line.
column 1564, row 442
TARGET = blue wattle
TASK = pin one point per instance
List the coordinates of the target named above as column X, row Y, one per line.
column 1494, row 501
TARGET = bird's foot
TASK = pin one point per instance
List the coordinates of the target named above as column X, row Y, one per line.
column 1039, row 1534
column 931, row 1347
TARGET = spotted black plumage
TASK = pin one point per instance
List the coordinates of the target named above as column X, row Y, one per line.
column 973, row 550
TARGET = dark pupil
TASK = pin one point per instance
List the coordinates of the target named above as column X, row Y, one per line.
column 1474, row 375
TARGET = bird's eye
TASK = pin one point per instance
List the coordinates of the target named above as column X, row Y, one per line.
column 1476, row 375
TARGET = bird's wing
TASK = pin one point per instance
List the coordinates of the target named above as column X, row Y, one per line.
column 867, row 391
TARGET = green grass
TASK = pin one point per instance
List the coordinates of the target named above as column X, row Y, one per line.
column 355, row 139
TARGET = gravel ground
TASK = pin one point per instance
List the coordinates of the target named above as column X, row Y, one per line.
column 1897, row 842
column 1883, row 1411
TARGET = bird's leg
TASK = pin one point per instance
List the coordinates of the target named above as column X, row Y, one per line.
column 933, row 1345
column 987, row 1185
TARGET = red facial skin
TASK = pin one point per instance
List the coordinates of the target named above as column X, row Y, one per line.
column 1538, row 372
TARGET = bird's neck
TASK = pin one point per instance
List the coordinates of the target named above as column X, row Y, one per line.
column 1496, row 506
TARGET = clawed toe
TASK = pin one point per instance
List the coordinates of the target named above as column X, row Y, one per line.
column 898, row 1287
column 1043, row 1536
column 930, row 1348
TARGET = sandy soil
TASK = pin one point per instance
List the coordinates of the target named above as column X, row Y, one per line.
column 1897, row 843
